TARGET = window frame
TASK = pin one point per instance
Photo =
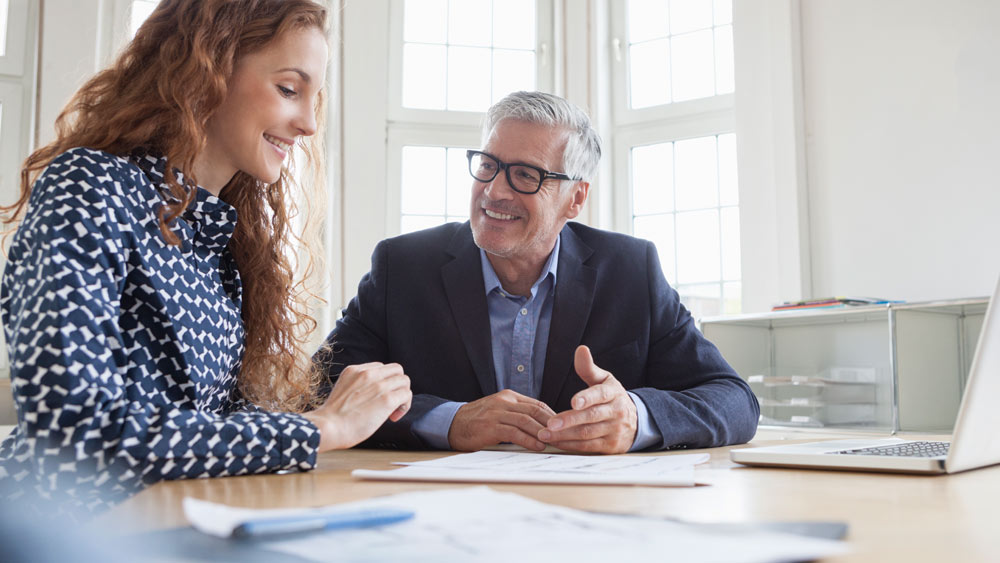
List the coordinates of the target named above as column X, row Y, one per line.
column 402, row 135
column 677, row 121
column 544, row 75
column 442, row 128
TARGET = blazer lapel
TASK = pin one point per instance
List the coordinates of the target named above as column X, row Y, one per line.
column 573, row 300
column 463, row 284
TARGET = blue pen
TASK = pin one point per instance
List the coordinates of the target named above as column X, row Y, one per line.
column 302, row 523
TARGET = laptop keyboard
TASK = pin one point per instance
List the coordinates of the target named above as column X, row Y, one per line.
column 908, row 449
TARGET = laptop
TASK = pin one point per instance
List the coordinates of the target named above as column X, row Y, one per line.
column 975, row 442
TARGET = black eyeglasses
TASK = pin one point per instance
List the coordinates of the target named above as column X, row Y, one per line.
column 523, row 178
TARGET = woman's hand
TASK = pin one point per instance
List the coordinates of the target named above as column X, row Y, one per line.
column 363, row 398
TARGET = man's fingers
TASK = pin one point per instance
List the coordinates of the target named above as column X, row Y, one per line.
column 592, row 431
column 513, row 397
column 596, row 395
column 596, row 413
column 514, row 435
column 522, row 422
column 586, row 446
column 540, row 413
column 585, row 367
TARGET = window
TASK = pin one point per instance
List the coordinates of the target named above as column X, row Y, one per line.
column 435, row 187
column 450, row 61
column 17, row 35
column 684, row 199
column 463, row 55
column 138, row 12
column 674, row 144
column 3, row 27
column 679, row 50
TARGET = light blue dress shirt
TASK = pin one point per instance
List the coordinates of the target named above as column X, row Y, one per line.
column 519, row 328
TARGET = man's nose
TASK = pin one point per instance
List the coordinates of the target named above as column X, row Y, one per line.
column 499, row 187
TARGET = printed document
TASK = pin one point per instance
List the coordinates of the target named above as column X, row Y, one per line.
column 483, row 525
column 529, row 467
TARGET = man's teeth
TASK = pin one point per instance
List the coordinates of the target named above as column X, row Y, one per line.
column 277, row 142
column 496, row 215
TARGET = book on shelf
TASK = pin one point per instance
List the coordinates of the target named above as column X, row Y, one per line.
column 829, row 302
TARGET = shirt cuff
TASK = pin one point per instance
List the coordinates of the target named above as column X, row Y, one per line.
column 646, row 433
column 433, row 427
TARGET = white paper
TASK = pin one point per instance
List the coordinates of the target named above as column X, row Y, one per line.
column 479, row 524
column 220, row 520
column 526, row 467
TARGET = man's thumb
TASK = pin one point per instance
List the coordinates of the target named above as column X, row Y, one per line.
column 585, row 367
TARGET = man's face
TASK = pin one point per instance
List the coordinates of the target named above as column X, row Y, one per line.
column 517, row 226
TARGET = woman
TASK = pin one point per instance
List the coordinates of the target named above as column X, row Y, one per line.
column 155, row 325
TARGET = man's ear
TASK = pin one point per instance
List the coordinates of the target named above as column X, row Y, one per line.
column 578, row 196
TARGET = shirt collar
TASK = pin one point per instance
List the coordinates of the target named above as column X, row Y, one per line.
column 492, row 282
column 207, row 213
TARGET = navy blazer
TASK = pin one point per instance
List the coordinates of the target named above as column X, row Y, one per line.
column 423, row 305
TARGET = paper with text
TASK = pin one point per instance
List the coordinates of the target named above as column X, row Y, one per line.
column 529, row 467
column 480, row 524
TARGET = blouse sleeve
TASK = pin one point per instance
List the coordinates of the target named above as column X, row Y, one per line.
column 82, row 434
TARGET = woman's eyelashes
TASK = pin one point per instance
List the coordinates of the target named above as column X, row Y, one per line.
column 286, row 92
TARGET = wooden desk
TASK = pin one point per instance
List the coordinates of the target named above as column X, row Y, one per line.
column 891, row 517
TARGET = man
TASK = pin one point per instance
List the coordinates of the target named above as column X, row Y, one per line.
column 518, row 327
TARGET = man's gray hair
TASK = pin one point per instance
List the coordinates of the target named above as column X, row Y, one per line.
column 583, row 144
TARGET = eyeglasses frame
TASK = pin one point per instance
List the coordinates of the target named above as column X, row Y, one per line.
column 501, row 165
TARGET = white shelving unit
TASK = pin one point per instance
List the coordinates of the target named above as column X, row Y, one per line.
column 895, row 367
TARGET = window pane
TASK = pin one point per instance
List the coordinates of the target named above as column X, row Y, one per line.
column 649, row 73
column 424, row 76
column 140, row 11
column 514, row 24
column 410, row 223
column 512, row 71
column 423, row 182
column 652, row 179
column 725, row 81
column 459, row 184
column 468, row 79
column 690, row 15
column 462, row 55
column 696, row 173
column 731, row 243
column 469, row 22
column 693, row 65
column 723, row 12
column 702, row 300
column 660, row 230
column 729, row 193
column 698, row 59
column 3, row 27
column 647, row 19
column 732, row 298
column 698, row 252
column 422, row 21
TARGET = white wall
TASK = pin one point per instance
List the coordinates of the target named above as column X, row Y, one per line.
column 902, row 143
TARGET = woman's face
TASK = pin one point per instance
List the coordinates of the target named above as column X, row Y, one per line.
column 270, row 103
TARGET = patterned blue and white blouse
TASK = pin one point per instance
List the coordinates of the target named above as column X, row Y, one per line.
column 124, row 350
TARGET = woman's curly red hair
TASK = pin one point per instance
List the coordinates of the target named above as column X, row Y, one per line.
column 159, row 95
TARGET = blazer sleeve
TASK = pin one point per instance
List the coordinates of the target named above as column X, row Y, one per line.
column 84, row 437
column 361, row 336
column 695, row 397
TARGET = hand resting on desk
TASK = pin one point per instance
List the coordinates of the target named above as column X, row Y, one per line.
column 603, row 418
column 507, row 416
column 364, row 396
